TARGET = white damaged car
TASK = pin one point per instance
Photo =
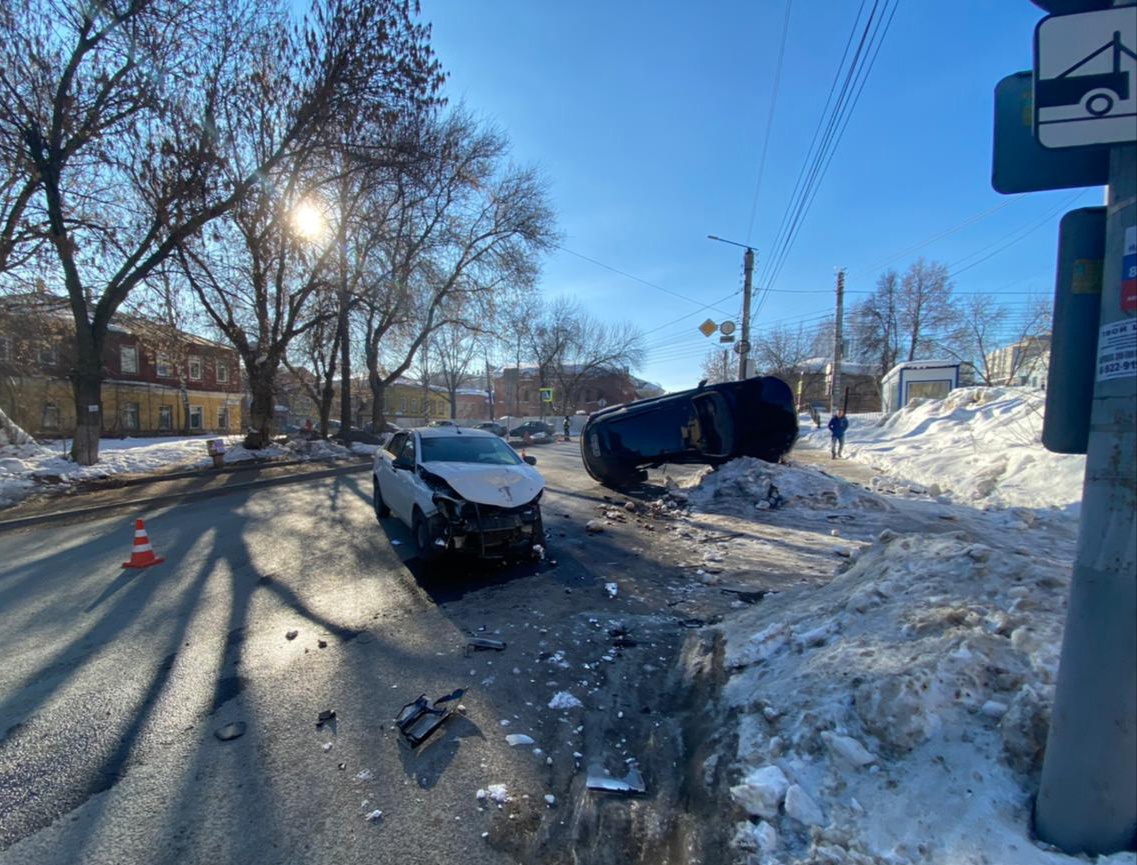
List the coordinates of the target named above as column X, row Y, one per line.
column 460, row 489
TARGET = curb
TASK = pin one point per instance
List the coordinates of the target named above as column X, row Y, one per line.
column 192, row 495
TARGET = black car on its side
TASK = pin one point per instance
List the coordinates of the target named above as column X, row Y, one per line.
column 531, row 428
column 709, row 424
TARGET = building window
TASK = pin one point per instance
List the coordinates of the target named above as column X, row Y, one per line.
column 5, row 348
column 163, row 366
column 402, row 404
column 196, row 416
column 223, row 417
column 165, row 417
column 525, row 396
column 195, row 369
column 51, row 416
column 128, row 359
column 48, row 353
column 130, row 416
column 414, row 405
column 222, row 372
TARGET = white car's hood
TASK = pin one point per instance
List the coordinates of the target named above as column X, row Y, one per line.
column 503, row 486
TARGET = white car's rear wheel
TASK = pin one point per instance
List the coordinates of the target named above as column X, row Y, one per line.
column 381, row 509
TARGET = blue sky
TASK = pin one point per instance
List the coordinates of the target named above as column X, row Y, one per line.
column 648, row 121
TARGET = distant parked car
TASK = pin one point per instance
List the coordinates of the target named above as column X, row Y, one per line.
column 460, row 489
column 710, row 425
column 494, row 427
column 534, row 429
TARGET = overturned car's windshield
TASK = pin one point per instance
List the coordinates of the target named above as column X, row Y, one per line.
column 468, row 449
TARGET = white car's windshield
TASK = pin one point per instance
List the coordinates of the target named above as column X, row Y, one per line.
column 468, row 449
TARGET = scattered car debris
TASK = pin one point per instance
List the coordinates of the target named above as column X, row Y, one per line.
column 418, row 720
column 323, row 644
column 515, row 739
column 550, row 799
column 292, row 635
column 496, row 793
column 749, row 596
column 374, row 816
column 594, row 526
column 612, row 589
column 327, row 746
column 600, row 779
column 325, row 716
column 482, row 644
column 564, row 700
column 363, row 775
column 230, row 731
column 621, row 639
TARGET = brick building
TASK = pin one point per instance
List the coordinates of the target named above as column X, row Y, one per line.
column 159, row 381
column 520, row 395
column 813, row 379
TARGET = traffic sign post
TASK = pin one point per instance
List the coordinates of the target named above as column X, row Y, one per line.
column 1087, row 798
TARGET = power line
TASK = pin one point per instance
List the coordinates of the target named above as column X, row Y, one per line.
column 638, row 279
column 769, row 121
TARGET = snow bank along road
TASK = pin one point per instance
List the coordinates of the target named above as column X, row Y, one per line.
column 116, row 681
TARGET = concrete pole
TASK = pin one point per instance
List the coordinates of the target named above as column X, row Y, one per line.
column 835, row 393
column 1087, row 799
column 747, row 275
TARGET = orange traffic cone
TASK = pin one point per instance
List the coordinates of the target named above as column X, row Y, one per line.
column 142, row 554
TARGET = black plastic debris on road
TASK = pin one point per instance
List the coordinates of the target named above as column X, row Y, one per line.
column 601, row 780
column 230, row 731
column 479, row 644
column 747, row 596
column 324, row 717
column 418, row 720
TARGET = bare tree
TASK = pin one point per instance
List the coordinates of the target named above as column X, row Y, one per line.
column 875, row 325
column 319, row 349
column 716, row 366
column 136, row 137
column 595, row 349
column 463, row 228
column 781, row 350
column 925, row 308
column 995, row 348
column 455, row 347
column 549, row 337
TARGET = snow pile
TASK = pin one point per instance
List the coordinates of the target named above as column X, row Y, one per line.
column 980, row 444
column 899, row 713
column 11, row 433
column 746, row 484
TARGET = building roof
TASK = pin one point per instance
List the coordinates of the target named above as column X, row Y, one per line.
column 920, row 364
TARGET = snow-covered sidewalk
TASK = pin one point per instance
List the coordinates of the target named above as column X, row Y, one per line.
column 978, row 445
column 29, row 468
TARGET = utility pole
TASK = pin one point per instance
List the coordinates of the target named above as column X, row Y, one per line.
column 835, row 393
column 747, row 275
column 1087, row 798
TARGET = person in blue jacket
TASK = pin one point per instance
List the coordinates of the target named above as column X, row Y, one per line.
column 837, row 426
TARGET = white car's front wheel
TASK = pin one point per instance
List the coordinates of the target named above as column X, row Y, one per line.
column 428, row 550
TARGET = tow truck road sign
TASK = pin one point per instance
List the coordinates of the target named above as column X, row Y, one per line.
column 1085, row 78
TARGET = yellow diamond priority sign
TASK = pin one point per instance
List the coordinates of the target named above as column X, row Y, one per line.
column 708, row 327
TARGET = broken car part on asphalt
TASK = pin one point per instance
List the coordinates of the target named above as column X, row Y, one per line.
column 481, row 643
column 599, row 779
column 418, row 720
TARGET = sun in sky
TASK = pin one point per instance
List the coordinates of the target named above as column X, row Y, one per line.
column 308, row 221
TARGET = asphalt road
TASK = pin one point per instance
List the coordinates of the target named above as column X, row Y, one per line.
column 115, row 682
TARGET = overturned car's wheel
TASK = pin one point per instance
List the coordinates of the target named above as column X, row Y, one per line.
column 381, row 509
column 428, row 551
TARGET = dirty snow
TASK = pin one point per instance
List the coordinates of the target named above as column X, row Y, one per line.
column 564, row 700
column 980, row 445
column 26, row 467
column 746, row 485
column 919, row 676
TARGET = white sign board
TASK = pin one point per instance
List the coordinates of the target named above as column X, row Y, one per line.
column 1117, row 350
column 1085, row 78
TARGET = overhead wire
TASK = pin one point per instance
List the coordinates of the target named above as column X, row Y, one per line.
column 769, row 120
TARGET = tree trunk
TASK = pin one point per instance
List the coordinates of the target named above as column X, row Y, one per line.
column 88, row 416
column 378, row 417
column 327, row 396
column 88, row 382
column 344, row 335
column 263, row 389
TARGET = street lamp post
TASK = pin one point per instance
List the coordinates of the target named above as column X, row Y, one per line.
column 747, row 273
